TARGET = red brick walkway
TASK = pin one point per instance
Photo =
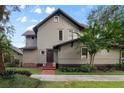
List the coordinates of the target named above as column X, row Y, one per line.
column 48, row 72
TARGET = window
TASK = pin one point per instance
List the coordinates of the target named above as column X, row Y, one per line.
column 56, row 18
column 32, row 37
column 83, row 53
column 122, row 53
column 42, row 52
column 60, row 35
column 71, row 34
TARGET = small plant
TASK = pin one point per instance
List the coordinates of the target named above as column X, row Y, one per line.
column 26, row 73
column 8, row 74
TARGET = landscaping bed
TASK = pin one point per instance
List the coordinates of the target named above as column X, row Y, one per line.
column 88, row 70
column 59, row 72
column 32, row 70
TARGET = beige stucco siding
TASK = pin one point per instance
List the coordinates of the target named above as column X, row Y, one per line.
column 72, row 55
column 30, row 56
column 31, row 42
column 48, row 34
column 104, row 57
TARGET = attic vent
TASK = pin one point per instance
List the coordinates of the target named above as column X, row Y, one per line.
column 56, row 19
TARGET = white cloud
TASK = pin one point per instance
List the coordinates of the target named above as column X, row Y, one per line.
column 34, row 20
column 22, row 6
column 38, row 11
column 22, row 19
column 30, row 27
column 49, row 10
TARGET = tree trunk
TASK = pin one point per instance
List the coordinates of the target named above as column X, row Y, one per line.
column 92, row 56
column 2, row 67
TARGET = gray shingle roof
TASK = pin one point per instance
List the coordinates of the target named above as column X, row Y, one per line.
column 29, row 33
column 17, row 50
column 29, row 48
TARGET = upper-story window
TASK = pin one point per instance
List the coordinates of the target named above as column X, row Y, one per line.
column 32, row 37
column 70, row 34
column 56, row 18
column 60, row 35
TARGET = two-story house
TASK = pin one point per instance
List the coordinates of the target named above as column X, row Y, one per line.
column 53, row 41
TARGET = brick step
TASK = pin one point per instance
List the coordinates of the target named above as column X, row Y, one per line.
column 49, row 65
column 48, row 68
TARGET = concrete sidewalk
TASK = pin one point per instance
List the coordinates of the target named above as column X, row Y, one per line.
column 79, row 77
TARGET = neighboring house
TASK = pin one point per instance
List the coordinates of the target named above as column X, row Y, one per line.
column 53, row 41
column 17, row 54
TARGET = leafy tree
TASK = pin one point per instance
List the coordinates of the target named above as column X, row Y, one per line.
column 91, row 37
column 105, row 29
column 6, row 30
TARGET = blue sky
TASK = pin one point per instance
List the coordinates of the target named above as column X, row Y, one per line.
column 33, row 14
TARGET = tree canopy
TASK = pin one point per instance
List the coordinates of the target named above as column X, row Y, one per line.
column 105, row 29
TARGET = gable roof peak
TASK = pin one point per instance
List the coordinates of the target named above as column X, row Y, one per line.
column 58, row 11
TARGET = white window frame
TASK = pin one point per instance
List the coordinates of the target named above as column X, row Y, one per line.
column 62, row 35
column 122, row 51
column 83, row 56
column 70, row 34
column 56, row 21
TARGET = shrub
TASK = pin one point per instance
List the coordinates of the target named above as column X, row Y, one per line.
column 15, row 63
column 122, row 66
column 9, row 74
column 86, row 68
column 107, row 67
column 83, row 68
column 26, row 73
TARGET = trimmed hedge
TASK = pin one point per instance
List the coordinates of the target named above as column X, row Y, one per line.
column 82, row 68
column 9, row 74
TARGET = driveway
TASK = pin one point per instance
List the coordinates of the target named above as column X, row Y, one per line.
column 79, row 77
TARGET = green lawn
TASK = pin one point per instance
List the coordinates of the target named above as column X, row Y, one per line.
column 19, row 82
column 58, row 72
column 81, row 84
column 32, row 70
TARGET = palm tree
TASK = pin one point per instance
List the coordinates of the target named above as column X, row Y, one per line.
column 4, row 48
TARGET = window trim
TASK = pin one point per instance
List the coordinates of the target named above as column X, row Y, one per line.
column 57, row 18
column 62, row 35
column 86, row 53
column 122, row 55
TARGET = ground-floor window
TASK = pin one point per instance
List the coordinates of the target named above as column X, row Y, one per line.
column 83, row 52
column 122, row 55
